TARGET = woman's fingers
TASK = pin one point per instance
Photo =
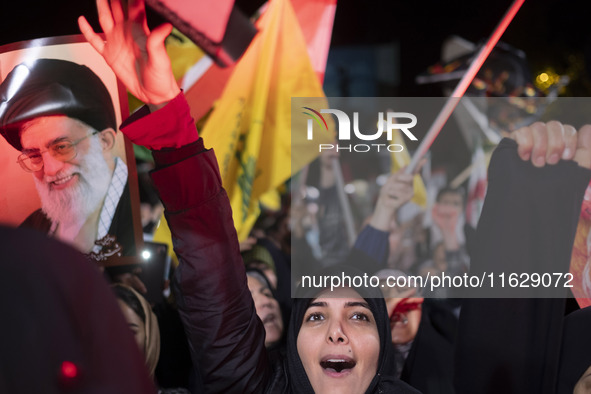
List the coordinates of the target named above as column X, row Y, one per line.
column 118, row 15
column 540, row 138
column 556, row 143
column 137, row 13
column 137, row 57
column 94, row 39
column 525, row 142
column 570, row 142
column 155, row 43
column 547, row 143
column 105, row 16
column 583, row 151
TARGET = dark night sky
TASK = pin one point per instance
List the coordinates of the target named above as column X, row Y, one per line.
column 547, row 30
column 552, row 33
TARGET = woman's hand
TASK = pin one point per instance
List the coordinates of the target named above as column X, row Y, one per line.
column 397, row 191
column 547, row 143
column 136, row 55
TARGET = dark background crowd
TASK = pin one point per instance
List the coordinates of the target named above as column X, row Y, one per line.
column 412, row 239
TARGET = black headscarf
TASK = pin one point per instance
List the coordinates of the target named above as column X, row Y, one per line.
column 383, row 380
column 261, row 277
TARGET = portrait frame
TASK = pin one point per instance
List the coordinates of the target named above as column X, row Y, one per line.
column 20, row 198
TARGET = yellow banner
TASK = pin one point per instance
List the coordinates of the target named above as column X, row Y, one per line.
column 249, row 128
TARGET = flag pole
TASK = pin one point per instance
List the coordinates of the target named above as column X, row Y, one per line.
column 344, row 202
column 462, row 86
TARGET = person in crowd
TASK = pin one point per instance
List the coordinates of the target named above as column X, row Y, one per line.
column 150, row 207
column 330, row 339
column 282, row 269
column 63, row 331
column 266, row 306
column 144, row 326
column 259, row 258
column 210, row 283
column 331, row 221
column 142, row 323
column 449, row 228
column 423, row 334
column 404, row 310
column 272, row 239
column 60, row 116
column 437, row 264
column 405, row 242
column 574, row 375
column 514, row 345
column 372, row 241
column 374, row 238
column 339, row 342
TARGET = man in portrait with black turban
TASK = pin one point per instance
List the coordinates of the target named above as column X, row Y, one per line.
column 61, row 118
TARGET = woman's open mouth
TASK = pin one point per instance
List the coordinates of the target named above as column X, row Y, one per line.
column 337, row 366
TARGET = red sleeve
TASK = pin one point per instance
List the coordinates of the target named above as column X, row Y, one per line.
column 170, row 127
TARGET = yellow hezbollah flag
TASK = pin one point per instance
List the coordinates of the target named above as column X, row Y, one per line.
column 183, row 53
column 250, row 127
column 402, row 159
column 162, row 234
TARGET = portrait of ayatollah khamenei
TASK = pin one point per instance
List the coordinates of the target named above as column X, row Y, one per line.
column 65, row 168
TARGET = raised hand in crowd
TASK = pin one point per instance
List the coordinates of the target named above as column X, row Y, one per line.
column 397, row 191
column 547, row 143
column 136, row 54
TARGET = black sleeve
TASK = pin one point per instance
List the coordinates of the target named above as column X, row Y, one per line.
column 528, row 223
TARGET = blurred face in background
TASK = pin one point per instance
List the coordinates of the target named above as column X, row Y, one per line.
column 405, row 317
column 267, row 309
column 583, row 386
column 265, row 269
column 439, row 257
column 451, row 199
column 405, row 325
column 135, row 323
